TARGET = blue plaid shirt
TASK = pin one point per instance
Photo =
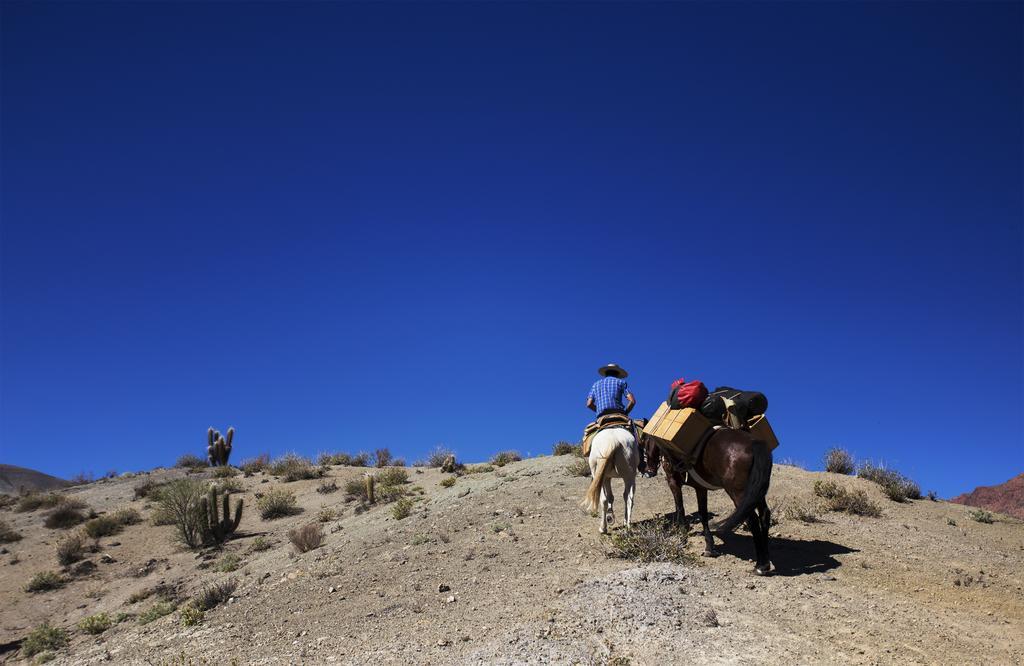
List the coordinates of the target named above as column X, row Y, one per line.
column 607, row 393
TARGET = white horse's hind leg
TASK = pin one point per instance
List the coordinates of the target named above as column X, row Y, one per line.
column 627, row 498
column 604, row 513
column 609, row 499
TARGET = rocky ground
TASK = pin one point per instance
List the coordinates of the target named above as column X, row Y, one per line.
column 503, row 567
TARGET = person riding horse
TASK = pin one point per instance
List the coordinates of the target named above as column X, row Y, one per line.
column 606, row 399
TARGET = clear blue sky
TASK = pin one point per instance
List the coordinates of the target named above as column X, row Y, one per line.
column 346, row 226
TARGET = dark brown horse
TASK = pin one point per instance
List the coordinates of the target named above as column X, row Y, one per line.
column 733, row 461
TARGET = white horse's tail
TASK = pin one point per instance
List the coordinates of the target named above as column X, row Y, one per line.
column 593, row 496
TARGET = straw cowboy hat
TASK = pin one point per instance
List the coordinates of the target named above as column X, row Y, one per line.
column 613, row 370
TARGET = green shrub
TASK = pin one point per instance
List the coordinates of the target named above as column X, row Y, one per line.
column 189, row 461
column 448, row 481
column 64, row 516
column 839, row 461
column 838, row 498
column 190, row 615
column 156, row 611
column 326, row 515
column 503, row 458
column 45, row 581
column 7, row 533
column 479, row 469
column 43, row 638
column 70, row 549
column 228, row 486
column 228, row 563
column 566, row 448
column 179, row 503
column 225, row 472
column 392, row 477
column 148, row 488
column 102, row 526
column 277, row 503
column 95, row 624
column 33, row 501
column 356, row 489
column 651, row 542
column 402, row 508
column 981, row 516
column 260, row 544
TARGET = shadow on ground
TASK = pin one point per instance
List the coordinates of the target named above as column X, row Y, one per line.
column 790, row 557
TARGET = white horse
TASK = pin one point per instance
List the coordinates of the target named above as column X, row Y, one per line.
column 613, row 453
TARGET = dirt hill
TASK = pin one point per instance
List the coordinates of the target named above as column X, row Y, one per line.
column 14, row 479
column 1005, row 498
column 503, row 567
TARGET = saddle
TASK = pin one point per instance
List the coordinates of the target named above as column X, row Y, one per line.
column 603, row 423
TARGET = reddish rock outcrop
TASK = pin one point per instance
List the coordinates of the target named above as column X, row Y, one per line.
column 1005, row 498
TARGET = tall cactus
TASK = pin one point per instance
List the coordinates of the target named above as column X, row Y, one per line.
column 218, row 449
column 217, row 528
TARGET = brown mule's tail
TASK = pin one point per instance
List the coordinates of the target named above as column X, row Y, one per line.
column 593, row 496
column 757, row 487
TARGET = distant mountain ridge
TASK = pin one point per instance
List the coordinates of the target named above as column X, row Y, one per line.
column 1007, row 497
column 14, row 479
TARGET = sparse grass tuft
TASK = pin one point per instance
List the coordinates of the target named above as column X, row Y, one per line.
column 33, row 501
column 95, row 624
column 503, row 458
column 307, row 537
column 651, row 542
column 277, row 503
column 578, row 467
column 7, row 533
column 189, row 461
column 839, row 461
column 156, row 611
column 45, row 581
column 981, row 516
column 225, row 472
column 70, row 549
column 326, row 514
column 327, row 487
column 838, row 498
column 565, row 448
column 293, row 467
column 448, row 481
column 42, row 639
column 259, row 544
column 228, row 563
column 402, row 508
column 479, row 469
column 214, row 595
column 801, row 510
column 228, row 486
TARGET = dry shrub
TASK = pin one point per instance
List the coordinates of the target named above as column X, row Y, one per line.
column 102, row 526
column 45, row 581
column 392, row 477
column 327, row 487
column 382, row 457
column 436, row 457
column 326, row 514
column 64, row 516
column 277, row 503
column 896, row 487
column 156, row 611
column 479, row 469
column 566, row 448
column 981, row 516
column 448, row 481
column 225, row 472
column 838, row 498
column 228, row 486
column 307, row 537
column 179, row 504
column 71, row 549
column 839, row 461
column 148, row 488
column 356, row 489
column 228, row 563
column 189, row 461
column 578, row 467
column 95, row 624
column 651, row 542
column 260, row 544
column 42, row 639
column 802, row 510
column 293, row 467
column 33, row 501
column 402, row 508
column 503, row 458
column 250, row 466
column 7, row 533
column 190, row 615
column 214, row 595
column 7, row 501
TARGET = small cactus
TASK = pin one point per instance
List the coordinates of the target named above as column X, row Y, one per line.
column 217, row 528
column 218, row 449
column 369, row 489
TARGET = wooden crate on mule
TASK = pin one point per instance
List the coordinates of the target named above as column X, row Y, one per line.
column 677, row 430
column 760, row 429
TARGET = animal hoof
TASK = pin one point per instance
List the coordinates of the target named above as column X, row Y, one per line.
column 763, row 570
column 710, row 553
